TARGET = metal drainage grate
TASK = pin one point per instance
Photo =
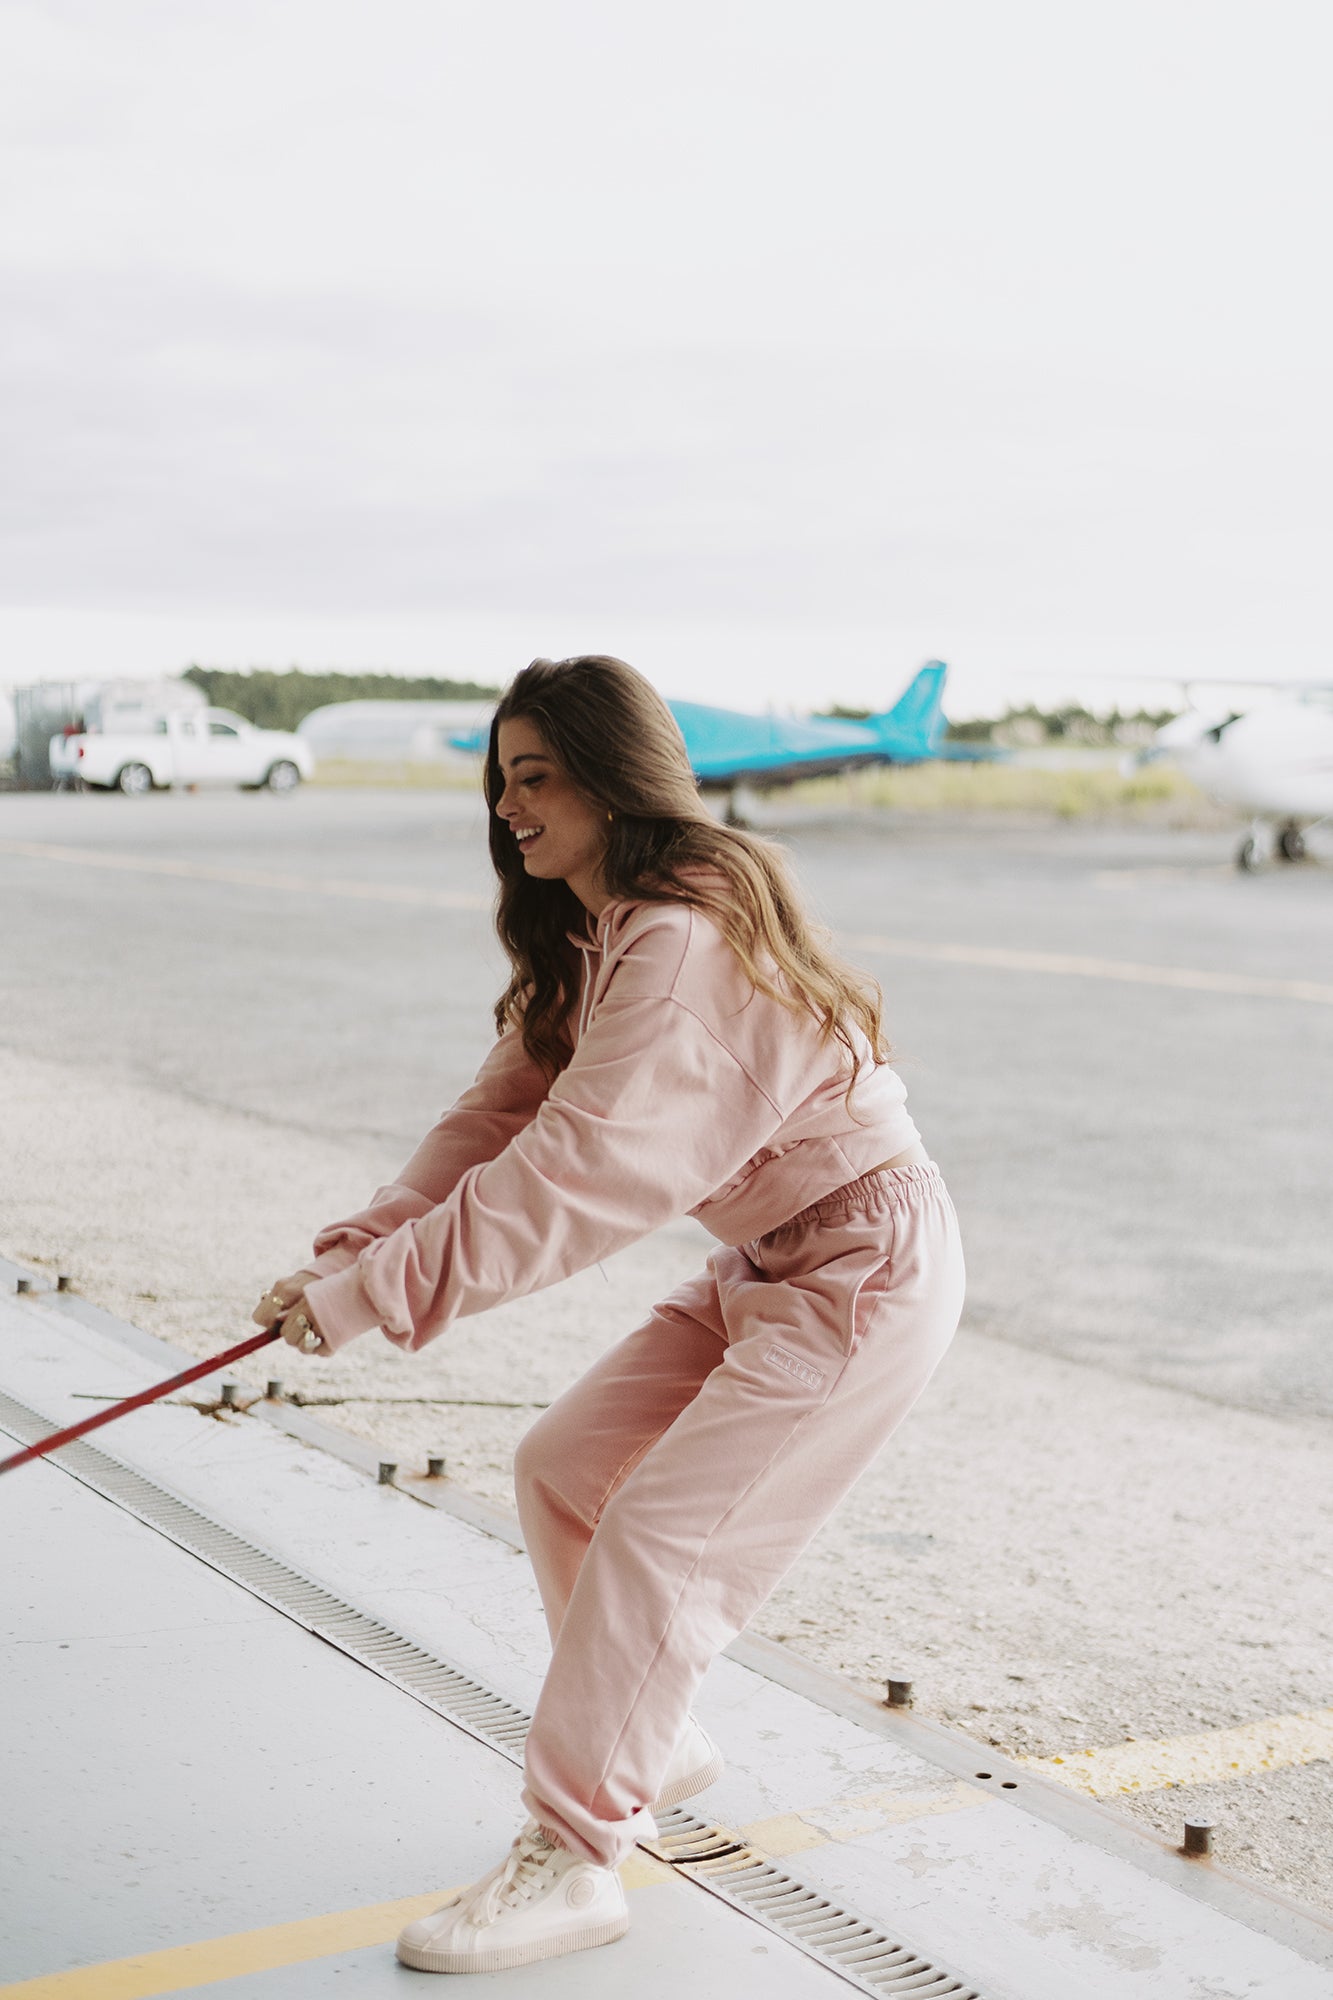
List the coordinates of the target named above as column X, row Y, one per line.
column 721, row 1861
column 712, row 1856
column 431, row 1680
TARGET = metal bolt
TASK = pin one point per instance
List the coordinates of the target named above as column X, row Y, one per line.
column 64, row 1282
column 229, row 1390
column 25, row 1285
column 899, row 1694
column 1198, row 1836
column 273, row 1390
column 387, row 1471
column 435, row 1468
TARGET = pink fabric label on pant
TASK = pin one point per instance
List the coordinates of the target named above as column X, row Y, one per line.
column 792, row 1364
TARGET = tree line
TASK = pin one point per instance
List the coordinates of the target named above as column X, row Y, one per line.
column 1030, row 725
column 1070, row 723
column 276, row 700
column 280, row 700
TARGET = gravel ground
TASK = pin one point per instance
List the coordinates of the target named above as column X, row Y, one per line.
column 1056, row 1557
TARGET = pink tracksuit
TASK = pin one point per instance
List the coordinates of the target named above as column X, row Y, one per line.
column 667, row 1492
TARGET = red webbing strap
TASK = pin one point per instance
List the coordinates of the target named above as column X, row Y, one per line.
column 57, row 1438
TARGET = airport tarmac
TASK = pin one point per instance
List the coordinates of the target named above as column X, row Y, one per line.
column 226, row 1018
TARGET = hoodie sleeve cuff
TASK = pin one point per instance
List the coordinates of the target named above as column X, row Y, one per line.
column 339, row 1258
column 341, row 1308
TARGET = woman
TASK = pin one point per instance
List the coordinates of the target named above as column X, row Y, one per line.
column 674, row 1037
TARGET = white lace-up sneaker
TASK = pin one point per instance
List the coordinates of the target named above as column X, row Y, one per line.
column 696, row 1763
column 540, row 1901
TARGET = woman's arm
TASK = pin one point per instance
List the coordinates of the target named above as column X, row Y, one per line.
column 508, row 1091
column 652, row 1115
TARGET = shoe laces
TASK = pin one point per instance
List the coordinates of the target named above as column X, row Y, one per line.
column 518, row 1878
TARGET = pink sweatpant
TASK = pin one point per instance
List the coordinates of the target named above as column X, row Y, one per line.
column 665, row 1495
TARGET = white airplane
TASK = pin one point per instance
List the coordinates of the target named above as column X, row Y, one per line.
column 1274, row 761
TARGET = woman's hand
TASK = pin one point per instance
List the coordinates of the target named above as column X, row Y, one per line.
column 284, row 1302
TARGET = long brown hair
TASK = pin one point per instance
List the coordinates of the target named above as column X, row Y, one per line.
column 619, row 743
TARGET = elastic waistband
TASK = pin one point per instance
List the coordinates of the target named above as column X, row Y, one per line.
column 862, row 1193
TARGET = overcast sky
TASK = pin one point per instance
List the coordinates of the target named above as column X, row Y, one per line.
column 776, row 347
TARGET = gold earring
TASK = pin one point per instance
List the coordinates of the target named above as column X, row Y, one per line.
column 610, row 815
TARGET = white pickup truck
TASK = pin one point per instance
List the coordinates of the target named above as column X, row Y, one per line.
column 201, row 746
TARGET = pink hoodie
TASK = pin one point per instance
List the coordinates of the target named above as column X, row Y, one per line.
column 688, row 1090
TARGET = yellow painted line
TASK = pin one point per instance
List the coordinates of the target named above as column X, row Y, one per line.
column 1066, row 965
column 1273, row 1744
column 184, row 1966
column 823, row 1825
column 249, row 878
column 849, row 1819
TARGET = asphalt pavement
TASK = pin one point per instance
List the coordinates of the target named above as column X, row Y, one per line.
column 1143, row 1169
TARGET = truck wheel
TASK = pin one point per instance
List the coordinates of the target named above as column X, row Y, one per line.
column 134, row 780
column 283, row 777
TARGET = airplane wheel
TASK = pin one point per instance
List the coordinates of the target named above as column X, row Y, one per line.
column 1247, row 854
column 1291, row 844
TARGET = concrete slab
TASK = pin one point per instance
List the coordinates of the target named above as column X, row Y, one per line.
column 1002, row 1890
column 192, row 1764
column 194, row 1767
column 283, row 1781
column 677, row 1935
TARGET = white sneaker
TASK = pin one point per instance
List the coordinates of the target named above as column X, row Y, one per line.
column 540, row 1901
column 696, row 1763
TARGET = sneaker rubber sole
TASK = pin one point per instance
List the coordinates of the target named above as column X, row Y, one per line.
column 423, row 1959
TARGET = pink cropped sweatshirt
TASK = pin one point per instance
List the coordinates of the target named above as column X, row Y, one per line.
column 687, row 1091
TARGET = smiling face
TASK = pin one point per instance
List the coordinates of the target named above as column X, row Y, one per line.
column 560, row 834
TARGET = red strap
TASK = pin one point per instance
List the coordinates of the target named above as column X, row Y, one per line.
column 43, row 1445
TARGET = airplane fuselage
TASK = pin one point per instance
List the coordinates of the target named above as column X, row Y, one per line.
column 1276, row 762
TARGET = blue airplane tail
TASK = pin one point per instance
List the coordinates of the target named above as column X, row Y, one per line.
column 914, row 725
